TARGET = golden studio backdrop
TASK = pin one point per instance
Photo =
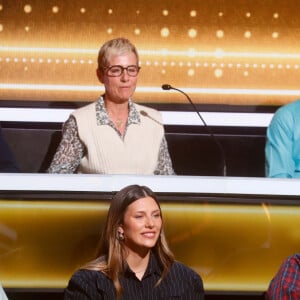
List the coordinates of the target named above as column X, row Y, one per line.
column 221, row 52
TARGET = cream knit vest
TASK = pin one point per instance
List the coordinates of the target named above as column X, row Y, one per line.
column 107, row 153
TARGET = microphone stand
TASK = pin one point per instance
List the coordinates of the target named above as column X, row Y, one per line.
column 169, row 87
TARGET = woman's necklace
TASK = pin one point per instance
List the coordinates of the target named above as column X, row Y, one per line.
column 119, row 120
column 119, row 123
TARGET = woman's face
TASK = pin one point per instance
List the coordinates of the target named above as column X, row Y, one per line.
column 142, row 224
column 119, row 89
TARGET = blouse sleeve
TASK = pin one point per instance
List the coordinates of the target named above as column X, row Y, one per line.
column 70, row 150
column 164, row 163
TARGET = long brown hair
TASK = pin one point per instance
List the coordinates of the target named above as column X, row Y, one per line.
column 110, row 259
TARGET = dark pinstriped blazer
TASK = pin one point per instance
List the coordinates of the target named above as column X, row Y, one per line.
column 180, row 283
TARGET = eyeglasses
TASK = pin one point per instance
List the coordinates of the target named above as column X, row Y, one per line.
column 116, row 71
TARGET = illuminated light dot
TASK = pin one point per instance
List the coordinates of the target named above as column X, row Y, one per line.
column 192, row 33
column 24, row 60
column 220, row 34
column 41, row 60
column 165, row 12
column 1, row 6
column 238, row 65
column 247, row 65
column 180, row 64
column 248, row 15
column 55, row 9
column 276, row 15
column 137, row 31
column 205, row 65
column 148, row 63
column 90, row 61
column 7, row 59
column 279, row 66
column 220, row 14
column 288, row 66
column 109, row 30
column 32, row 60
column 271, row 66
column 27, row 8
column 49, row 60
column 66, row 61
column 275, row 35
column 189, row 64
column 197, row 64
column 193, row 13
column 164, row 63
column 163, row 71
column 296, row 66
column 82, row 10
column 263, row 66
column 156, row 63
column 246, row 73
column 74, row 61
column 16, row 60
column 191, row 72
column 82, row 61
column 25, row 68
column 27, row 28
column 172, row 63
column 230, row 65
column 165, row 32
column 218, row 73
column 1, row 59
column 57, row 61
column 213, row 65
column 247, row 34
column 255, row 66
column 1, row 27
column 137, row 12
column 110, row 11
column 222, row 65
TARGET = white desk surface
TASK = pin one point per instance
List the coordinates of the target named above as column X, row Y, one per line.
column 163, row 184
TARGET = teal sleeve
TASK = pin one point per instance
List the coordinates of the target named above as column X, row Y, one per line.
column 279, row 146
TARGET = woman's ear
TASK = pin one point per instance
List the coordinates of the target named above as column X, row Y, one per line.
column 100, row 75
column 120, row 233
column 120, row 228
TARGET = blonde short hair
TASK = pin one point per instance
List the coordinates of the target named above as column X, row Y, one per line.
column 117, row 46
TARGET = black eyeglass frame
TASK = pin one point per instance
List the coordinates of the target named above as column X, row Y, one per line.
column 107, row 69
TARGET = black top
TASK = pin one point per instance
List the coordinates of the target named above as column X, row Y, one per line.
column 180, row 283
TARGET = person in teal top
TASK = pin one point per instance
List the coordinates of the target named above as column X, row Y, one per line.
column 282, row 148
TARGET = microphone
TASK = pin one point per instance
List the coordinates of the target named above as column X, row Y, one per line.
column 145, row 114
column 168, row 87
